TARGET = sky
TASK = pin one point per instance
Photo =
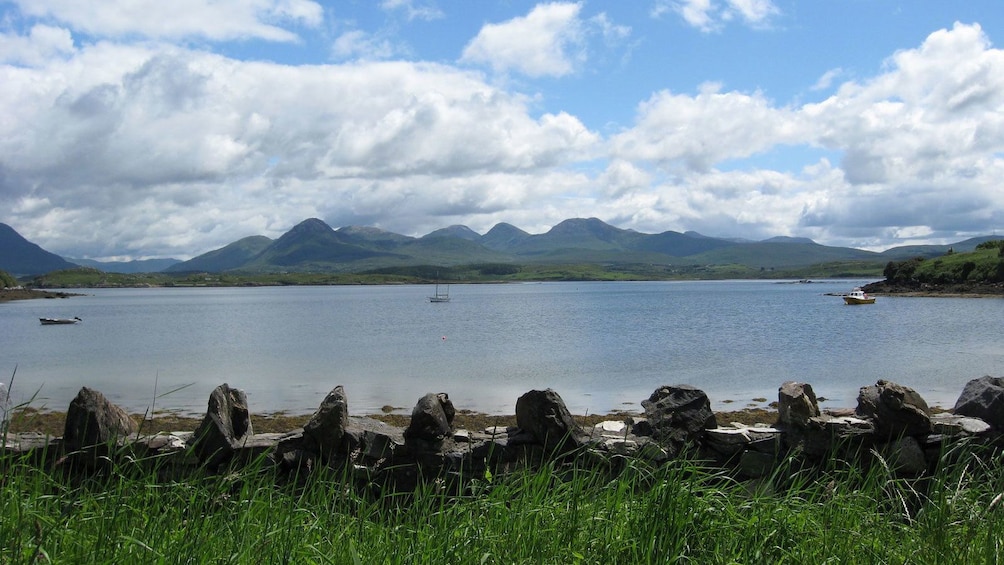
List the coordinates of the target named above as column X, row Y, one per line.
column 135, row 129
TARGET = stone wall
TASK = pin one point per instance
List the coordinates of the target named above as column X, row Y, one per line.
column 891, row 423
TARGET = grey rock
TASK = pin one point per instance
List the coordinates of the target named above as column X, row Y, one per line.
column 756, row 464
column 543, row 414
column 92, row 419
column 896, row 410
column 372, row 440
column 983, row 398
column 796, row 403
column 325, row 430
column 225, row 428
column 953, row 425
column 905, row 457
column 727, row 441
column 678, row 414
column 827, row 434
column 431, row 419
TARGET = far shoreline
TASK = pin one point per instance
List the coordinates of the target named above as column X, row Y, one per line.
column 11, row 294
column 989, row 290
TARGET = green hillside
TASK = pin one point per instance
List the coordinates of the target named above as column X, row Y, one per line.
column 979, row 270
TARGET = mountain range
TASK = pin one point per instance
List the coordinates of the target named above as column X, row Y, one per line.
column 314, row 246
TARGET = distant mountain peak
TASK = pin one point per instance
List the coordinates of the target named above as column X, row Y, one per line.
column 586, row 226
column 463, row 232
column 18, row 256
column 504, row 236
column 311, row 225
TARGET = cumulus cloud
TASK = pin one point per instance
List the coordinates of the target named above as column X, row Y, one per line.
column 928, row 124
column 184, row 133
column 147, row 149
column 218, row 21
column 546, row 42
column 696, row 132
column 40, row 45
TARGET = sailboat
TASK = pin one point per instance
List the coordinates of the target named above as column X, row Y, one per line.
column 440, row 296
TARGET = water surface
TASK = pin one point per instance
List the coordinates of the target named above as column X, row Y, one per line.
column 602, row 346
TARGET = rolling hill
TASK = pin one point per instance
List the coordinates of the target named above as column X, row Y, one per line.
column 312, row 246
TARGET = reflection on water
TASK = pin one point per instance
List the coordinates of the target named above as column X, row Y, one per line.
column 602, row 346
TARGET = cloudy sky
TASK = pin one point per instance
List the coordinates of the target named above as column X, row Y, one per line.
column 145, row 128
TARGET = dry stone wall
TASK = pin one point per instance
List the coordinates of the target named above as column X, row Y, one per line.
column 891, row 422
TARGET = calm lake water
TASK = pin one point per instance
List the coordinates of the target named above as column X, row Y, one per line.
column 602, row 346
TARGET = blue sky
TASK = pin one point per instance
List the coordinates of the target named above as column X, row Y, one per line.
column 140, row 128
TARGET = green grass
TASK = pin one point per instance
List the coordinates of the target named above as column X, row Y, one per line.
column 676, row 513
column 984, row 265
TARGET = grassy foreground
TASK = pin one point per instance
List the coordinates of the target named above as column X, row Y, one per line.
column 676, row 513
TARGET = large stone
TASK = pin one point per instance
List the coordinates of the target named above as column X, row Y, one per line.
column 679, row 414
column 325, row 430
column 431, row 419
column 796, row 404
column 371, row 440
column 983, row 398
column 92, row 419
column 543, row 415
column 895, row 410
column 905, row 457
column 225, row 428
column 826, row 435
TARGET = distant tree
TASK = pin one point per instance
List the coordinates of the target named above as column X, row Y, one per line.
column 992, row 244
column 967, row 268
column 498, row 269
column 7, row 280
column 902, row 272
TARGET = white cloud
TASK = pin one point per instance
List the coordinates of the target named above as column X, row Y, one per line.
column 696, row 132
column 929, row 125
column 190, row 135
column 148, row 149
column 826, row 81
column 711, row 15
column 220, row 20
column 358, row 44
column 549, row 41
column 612, row 33
column 40, row 45
column 414, row 10
column 753, row 12
column 697, row 13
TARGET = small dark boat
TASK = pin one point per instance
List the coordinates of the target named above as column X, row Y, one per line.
column 59, row 321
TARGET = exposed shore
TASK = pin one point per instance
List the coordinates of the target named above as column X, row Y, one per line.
column 8, row 294
column 989, row 290
column 51, row 423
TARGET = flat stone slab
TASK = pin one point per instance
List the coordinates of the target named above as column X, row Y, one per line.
column 610, row 429
column 28, row 441
column 950, row 424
